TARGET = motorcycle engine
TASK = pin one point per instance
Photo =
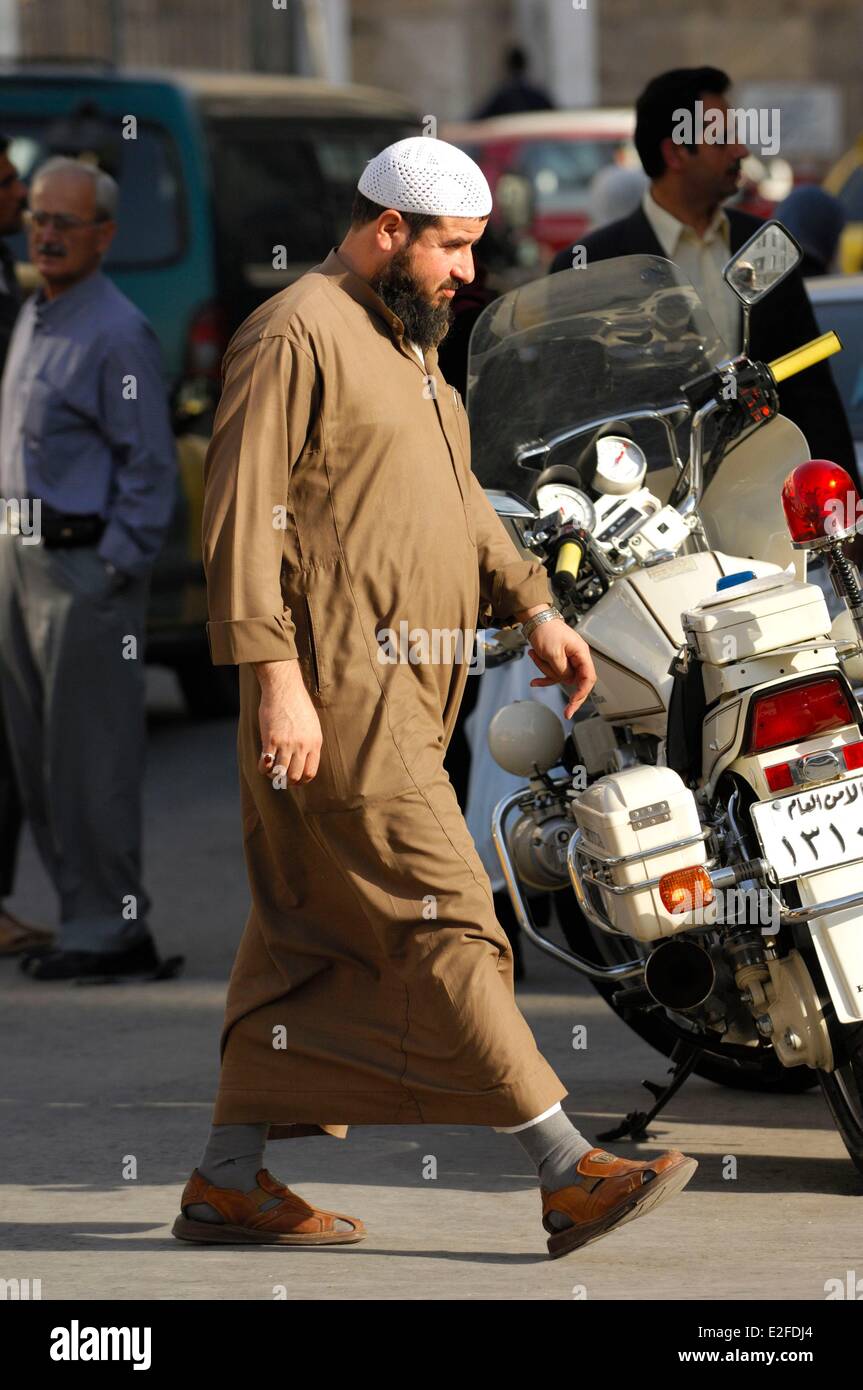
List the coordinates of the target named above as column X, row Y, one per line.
column 538, row 844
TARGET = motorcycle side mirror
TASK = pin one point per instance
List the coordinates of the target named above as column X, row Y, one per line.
column 766, row 259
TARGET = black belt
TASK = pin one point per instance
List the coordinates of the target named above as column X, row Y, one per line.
column 60, row 529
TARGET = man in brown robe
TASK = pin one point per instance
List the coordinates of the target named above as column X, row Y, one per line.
column 349, row 552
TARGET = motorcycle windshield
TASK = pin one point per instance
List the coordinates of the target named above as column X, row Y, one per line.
column 578, row 346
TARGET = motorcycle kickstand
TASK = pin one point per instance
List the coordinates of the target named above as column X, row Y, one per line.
column 682, row 1059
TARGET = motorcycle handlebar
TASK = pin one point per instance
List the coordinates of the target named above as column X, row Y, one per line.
column 570, row 555
column 568, row 559
column 780, row 369
column 806, row 356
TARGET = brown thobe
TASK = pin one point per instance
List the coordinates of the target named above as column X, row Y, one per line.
column 373, row 983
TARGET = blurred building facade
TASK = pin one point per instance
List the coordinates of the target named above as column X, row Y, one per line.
column 448, row 56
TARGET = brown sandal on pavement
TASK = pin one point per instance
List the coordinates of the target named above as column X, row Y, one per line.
column 17, row 937
column 615, row 1191
column 291, row 1222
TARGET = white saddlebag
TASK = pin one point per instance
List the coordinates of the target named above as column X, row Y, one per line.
column 756, row 616
column 626, row 814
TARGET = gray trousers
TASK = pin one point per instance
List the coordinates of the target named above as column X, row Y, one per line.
column 72, row 686
column 10, row 815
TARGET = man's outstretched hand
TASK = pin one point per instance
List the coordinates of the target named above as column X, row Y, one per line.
column 564, row 659
column 291, row 735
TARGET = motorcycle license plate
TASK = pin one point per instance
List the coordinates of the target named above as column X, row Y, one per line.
column 812, row 830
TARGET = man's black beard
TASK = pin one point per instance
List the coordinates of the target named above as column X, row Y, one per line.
column 426, row 324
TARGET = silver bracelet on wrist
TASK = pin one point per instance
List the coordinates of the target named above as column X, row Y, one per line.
column 544, row 617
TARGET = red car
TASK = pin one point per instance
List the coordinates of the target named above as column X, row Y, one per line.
column 557, row 154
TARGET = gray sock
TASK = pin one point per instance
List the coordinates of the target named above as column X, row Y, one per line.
column 555, row 1146
column 233, row 1157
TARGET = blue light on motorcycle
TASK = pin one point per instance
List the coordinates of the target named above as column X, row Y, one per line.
column 728, row 580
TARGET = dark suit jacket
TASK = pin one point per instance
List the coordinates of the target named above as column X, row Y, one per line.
column 784, row 320
column 9, row 303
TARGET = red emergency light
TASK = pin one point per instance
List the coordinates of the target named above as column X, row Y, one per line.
column 820, row 501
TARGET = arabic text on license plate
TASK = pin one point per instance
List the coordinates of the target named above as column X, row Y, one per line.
column 812, row 830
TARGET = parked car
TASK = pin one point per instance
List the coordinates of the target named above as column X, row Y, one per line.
column 838, row 304
column 231, row 186
column 541, row 166
column 556, row 154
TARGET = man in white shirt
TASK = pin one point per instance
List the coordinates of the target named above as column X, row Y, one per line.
column 682, row 218
column 701, row 255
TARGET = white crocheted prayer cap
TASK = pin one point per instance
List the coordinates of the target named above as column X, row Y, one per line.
column 422, row 174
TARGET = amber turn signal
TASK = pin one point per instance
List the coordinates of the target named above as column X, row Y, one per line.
column 686, row 890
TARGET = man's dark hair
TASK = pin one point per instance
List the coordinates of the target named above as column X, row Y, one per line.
column 663, row 97
column 516, row 61
column 364, row 210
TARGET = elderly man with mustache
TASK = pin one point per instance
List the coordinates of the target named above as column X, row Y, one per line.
column 87, row 478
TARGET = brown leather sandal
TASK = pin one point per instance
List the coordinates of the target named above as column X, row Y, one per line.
column 292, row 1222
column 615, row 1191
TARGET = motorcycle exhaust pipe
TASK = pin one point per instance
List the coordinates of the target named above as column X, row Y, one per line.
column 680, row 975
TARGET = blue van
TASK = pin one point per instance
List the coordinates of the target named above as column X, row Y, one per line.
column 231, row 186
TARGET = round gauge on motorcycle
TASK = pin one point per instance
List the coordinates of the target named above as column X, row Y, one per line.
column 575, row 504
column 620, row 465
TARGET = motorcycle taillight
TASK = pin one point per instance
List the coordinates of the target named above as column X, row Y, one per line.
column 853, row 755
column 779, row 777
column 797, row 713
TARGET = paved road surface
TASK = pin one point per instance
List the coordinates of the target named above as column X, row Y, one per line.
column 94, row 1075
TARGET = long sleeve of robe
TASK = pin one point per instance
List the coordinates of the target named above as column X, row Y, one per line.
column 343, row 528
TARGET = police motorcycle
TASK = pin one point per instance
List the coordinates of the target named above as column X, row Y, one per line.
column 702, row 822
